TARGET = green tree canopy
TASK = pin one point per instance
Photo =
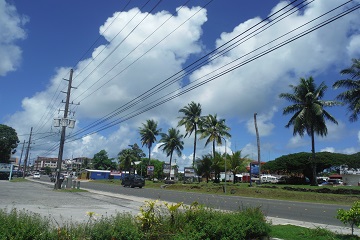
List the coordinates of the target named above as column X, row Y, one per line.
column 237, row 163
column 172, row 142
column 308, row 112
column 300, row 163
column 8, row 143
column 148, row 133
column 127, row 157
column 203, row 166
column 351, row 96
column 101, row 161
column 213, row 130
column 191, row 120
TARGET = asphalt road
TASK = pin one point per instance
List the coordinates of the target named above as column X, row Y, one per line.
column 299, row 211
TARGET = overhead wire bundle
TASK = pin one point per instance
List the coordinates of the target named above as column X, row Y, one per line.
column 128, row 110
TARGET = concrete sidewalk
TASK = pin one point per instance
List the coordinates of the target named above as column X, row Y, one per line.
column 62, row 207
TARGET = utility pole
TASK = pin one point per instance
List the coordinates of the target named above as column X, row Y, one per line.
column 258, row 146
column 63, row 130
column 27, row 153
column 22, row 150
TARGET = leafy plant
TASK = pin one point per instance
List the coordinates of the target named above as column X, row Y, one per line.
column 351, row 216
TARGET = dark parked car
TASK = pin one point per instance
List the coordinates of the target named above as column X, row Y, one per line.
column 133, row 181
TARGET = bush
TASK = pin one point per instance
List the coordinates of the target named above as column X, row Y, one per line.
column 23, row 225
column 352, row 216
column 156, row 221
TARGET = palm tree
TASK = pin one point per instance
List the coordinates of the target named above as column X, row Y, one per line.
column 217, row 165
column 127, row 158
column 148, row 133
column 191, row 120
column 237, row 163
column 309, row 114
column 214, row 130
column 352, row 95
column 171, row 142
column 203, row 166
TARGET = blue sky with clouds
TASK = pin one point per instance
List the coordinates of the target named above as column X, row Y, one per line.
column 120, row 50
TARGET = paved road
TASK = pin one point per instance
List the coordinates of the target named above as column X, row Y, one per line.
column 106, row 200
column 299, row 211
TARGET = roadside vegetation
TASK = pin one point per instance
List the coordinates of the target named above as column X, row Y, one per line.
column 157, row 220
column 341, row 195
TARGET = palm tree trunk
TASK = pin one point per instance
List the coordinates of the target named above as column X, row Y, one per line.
column 170, row 165
column 193, row 163
column 313, row 160
column 214, row 150
column 149, row 155
column 214, row 159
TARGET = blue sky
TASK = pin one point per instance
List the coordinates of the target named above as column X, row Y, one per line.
column 120, row 51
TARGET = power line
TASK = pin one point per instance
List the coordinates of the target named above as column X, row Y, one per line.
column 232, row 68
column 182, row 73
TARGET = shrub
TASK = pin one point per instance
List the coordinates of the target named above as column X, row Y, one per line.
column 23, row 225
column 351, row 216
column 158, row 221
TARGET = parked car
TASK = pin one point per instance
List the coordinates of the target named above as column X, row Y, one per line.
column 269, row 179
column 36, row 176
column 133, row 181
column 336, row 182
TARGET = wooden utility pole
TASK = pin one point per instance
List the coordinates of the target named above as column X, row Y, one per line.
column 22, row 150
column 258, row 146
column 27, row 153
column 62, row 138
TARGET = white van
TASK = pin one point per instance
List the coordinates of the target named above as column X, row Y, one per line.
column 268, row 179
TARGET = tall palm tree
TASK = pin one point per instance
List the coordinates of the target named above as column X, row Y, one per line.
column 214, row 130
column 191, row 120
column 309, row 114
column 237, row 163
column 352, row 95
column 171, row 142
column 148, row 133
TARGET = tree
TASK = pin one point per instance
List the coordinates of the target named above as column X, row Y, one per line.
column 203, row 166
column 309, row 114
column 237, row 163
column 137, row 151
column 127, row 158
column 351, row 216
column 191, row 120
column 214, row 130
column 101, row 161
column 351, row 97
column 171, row 142
column 8, row 143
column 148, row 133
column 216, row 167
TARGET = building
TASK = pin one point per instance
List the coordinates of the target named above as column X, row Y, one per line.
column 42, row 162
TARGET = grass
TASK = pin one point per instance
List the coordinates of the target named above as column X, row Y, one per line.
column 291, row 232
column 268, row 191
column 19, row 179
